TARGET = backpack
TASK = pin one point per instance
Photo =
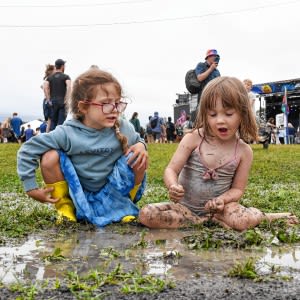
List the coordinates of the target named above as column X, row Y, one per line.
column 153, row 123
column 191, row 82
column 193, row 85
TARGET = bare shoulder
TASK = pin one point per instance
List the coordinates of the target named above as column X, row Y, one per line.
column 245, row 150
column 191, row 140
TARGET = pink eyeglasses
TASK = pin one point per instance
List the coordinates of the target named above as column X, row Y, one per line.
column 107, row 108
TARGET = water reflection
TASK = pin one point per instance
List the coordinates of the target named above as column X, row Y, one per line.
column 164, row 256
column 286, row 258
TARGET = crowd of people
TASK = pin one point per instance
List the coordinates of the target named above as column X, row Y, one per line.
column 164, row 130
column 14, row 130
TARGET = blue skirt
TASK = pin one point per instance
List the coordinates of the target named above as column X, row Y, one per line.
column 112, row 202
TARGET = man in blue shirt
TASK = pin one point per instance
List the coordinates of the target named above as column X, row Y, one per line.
column 206, row 71
column 16, row 123
column 29, row 133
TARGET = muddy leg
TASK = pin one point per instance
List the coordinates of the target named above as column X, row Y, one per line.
column 238, row 217
column 168, row 215
column 290, row 218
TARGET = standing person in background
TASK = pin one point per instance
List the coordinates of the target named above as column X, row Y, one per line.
column 16, row 123
column 163, row 137
column 271, row 128
column 170, row 127
column 207, row 71
column 29, row 133
column 281, row 132
column 248, row 85
column 155, row 123
column 135, row 122
column 57, row 90
column 47, row 105
column 291, row 133
column 43, row 127
column 187, row 125
column 149, row 134
column 208, row 173
column 6, row 130
column 22, row 137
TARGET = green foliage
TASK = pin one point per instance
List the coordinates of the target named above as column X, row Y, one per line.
column 262, row 236
column 55, row 256
column 130, row 282
column 141, row 243
column 253, row 237
column 274, row 182
column 285, row 236
column 250, row 270
column 246, row 270
column 219, row 238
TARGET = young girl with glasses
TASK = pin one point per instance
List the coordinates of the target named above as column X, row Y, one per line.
column 94, row 164
column 208, row 173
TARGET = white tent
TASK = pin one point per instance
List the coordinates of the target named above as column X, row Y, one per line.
column 33, row 124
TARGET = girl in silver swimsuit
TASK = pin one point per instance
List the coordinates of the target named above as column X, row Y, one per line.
column 208, row 173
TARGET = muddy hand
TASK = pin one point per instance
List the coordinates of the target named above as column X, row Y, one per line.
column 214, row 205
column 176, row 192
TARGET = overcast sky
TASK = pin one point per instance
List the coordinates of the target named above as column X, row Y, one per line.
column 147, row 44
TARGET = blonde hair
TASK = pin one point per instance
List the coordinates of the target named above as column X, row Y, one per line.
column 248, row 81
column 86, row 86
column 233, row 95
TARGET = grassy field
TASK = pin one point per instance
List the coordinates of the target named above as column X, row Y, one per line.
column 274, row 185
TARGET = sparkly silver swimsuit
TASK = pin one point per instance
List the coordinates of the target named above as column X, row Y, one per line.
column 202, row 184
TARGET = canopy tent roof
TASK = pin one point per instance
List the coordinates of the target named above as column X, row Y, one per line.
column 277, row 87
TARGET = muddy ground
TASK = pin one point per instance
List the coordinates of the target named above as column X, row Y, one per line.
column 202, row 288
column 194, row 274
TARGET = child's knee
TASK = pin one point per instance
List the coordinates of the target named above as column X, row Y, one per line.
column 145, row 215
column 246, row 222
column 241, row 218
column 49, row 160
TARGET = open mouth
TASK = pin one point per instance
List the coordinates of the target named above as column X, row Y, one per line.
column 111, row 118
column 223, row 130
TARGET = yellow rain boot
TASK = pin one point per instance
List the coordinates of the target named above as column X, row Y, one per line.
column 132, row 193
column 64, row 206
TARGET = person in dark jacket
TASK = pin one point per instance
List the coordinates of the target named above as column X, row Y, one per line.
column 135, row 122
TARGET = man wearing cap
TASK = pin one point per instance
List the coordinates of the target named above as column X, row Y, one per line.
column 206, row 71
column 57, row 90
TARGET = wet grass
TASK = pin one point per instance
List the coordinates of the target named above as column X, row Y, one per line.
column 250, row 270
column 96, row 284
column 265, row 235
column 274, row 185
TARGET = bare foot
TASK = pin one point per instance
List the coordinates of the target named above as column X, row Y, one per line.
column 292, row 220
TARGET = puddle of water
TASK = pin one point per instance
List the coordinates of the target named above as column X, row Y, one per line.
column 286, row 258
column 164, row 256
